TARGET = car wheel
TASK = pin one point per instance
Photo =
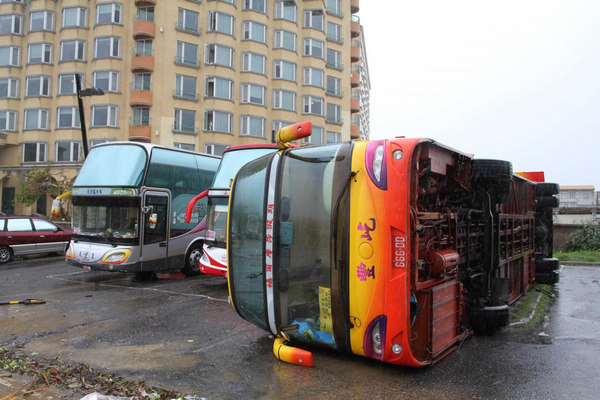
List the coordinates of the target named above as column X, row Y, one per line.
column 5, row 254
column 192, row 260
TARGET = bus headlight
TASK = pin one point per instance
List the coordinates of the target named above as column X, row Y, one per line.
column 374, row 340
column 375, row 163
column 117, row 257
column 69, row 252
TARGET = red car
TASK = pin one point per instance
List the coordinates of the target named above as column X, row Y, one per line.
column 21, row 235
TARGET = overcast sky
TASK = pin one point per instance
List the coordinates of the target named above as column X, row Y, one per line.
column 512, row 80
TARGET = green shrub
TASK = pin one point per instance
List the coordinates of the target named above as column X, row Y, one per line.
column 586, row 238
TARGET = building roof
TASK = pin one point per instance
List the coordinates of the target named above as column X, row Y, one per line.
column 580, row 187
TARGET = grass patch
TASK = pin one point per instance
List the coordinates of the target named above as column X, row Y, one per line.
column 583, row 255
column 529, row 302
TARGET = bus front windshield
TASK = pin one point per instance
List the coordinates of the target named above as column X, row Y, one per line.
column 112, row 220
column 233, row 160
column 313, row 182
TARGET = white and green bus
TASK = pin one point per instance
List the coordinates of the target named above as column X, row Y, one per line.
column 129, row 203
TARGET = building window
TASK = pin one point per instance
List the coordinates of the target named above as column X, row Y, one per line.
column 284, row 70
column 9, row 88
column 316, row 136
column 143, row 47
column 334, row 113
column 145, row 14
column 68, row 151
column 108, row 47
column 253, row 94
column 284, row 40
column 108, row 81
column 252, row 62
column 184, row 146
column 40, row 53
column 286, row 10
column 187, row 20
column 284, row 100
column 37, row 86
column 185, row 87
column 66, row 84
column 313, row 19
column 334, row 7
column 108, row 13
column 277, row 125
column 185, row 121
column 219, row 22
column 11, row 24
column 252, row 126
column 36, row 119
column 8, row 121
column 72, row 50
column 219, row 87
column 219, row 55
column 187, row 54
column 255, row 31
column 68, row 117
column 333, row 137
column 312, row 105
column 334, row 59
column 141, row 116
column 313, row 77
column 41, row 21
column 334, row 86
column 10, row 56
column 216, row 149
column 104, row 116
column 75, row 17
column 334, row 32
column 256, row 5
column 95, row 142
column 313, row 48
column 34, row 152
column 218, row 121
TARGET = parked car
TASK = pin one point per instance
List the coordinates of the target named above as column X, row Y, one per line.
column 21, row 235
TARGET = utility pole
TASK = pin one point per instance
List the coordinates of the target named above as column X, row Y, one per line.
column 80, row 93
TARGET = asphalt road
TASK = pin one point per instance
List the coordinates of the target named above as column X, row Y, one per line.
column 183, row 335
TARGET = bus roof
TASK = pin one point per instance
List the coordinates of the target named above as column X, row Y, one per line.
column 149, row 146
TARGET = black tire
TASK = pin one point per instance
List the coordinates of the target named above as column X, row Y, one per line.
column 546, row 189
column 192, row 260
column 546, row 265
column 548, row 278
column 5, row 254
column 487, row 320
column 494, row 174
column 547, row 202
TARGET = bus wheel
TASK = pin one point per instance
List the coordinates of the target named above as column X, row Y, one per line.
column 192, row 260
column 496, row 174
column 487, row 320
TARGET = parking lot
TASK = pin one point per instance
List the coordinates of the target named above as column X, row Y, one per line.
column 183, row 335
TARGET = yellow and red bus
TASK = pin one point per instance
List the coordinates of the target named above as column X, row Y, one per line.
column 393, row 249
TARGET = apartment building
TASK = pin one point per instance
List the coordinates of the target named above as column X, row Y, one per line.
column 195, row 74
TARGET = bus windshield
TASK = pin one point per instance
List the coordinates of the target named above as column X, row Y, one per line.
column 312, row 183
column 113, row 220
column 113, row 165
column 232, row 161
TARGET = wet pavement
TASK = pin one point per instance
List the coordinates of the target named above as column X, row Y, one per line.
column 182, row 335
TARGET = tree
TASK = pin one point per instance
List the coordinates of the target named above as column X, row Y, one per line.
column 41, row 182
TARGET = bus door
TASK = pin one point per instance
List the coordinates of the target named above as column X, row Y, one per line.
column 155, row 211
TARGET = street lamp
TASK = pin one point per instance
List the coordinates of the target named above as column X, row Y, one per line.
column 81, row 93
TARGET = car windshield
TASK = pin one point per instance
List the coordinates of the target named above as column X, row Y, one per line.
column 113, row 219
column 312, row 181
column 232, row 161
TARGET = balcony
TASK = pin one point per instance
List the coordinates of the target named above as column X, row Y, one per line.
column 355, row 26
column 355, row 54
column 140, row 98
column 140, row 133
column 354, row 6
column 355, row 79
column 144, row 29
column 354, row 105
column 354, row 131
column 142, row 63
column 144, row 3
